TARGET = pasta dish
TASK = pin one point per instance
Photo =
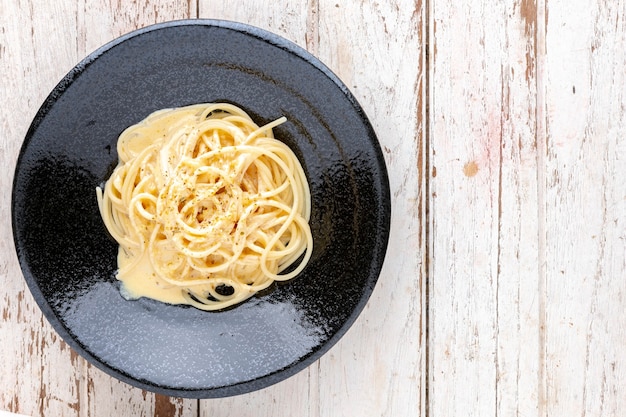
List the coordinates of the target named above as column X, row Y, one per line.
column 207, row 207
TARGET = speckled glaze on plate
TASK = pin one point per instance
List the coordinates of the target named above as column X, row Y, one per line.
column 69, row 260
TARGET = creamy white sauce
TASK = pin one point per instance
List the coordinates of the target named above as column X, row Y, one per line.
column 142, row 280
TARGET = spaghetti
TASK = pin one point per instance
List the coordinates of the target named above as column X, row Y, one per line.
column 207, row 207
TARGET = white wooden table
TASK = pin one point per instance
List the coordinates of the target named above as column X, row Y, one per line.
column 503, row 124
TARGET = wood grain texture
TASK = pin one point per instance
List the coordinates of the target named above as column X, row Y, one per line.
column 585, row 211
column 29, row 344
column 377, row 49
column 289, row 19
column 483, row 309
column 527, row 215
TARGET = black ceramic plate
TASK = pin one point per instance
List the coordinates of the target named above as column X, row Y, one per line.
column 69, row 260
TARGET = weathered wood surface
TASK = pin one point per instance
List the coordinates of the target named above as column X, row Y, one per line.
column 527, row 208
column 484, row 337
column 502, row 124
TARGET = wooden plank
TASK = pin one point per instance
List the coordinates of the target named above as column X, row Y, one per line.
column 29, row 70
column 40, row 375
column 289, row 19
column 484, row 339
column 377, row 49
column 100, row 23
column 518, row 337
column 585, row 207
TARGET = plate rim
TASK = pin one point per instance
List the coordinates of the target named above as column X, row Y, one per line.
column 383, row 221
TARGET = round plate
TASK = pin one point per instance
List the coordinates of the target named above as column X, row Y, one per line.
column 69, row 260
